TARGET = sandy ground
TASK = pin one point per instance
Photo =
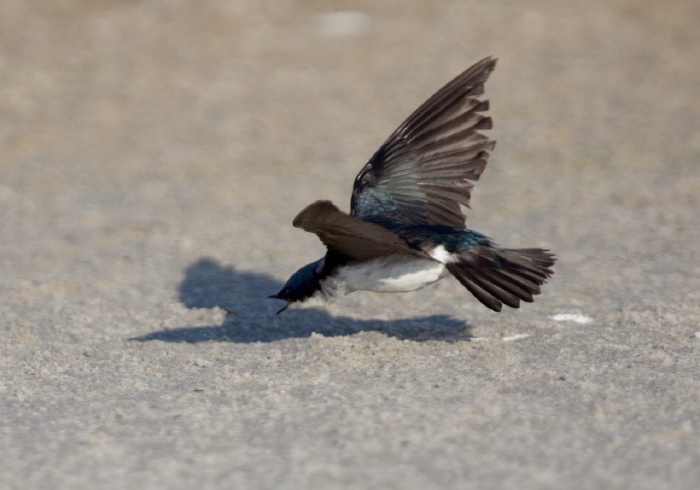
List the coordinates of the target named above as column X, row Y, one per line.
column 154, row 154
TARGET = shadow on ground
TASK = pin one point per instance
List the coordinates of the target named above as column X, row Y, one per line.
column 251, row 316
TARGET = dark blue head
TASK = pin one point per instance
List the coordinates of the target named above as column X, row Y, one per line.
column 302, row 284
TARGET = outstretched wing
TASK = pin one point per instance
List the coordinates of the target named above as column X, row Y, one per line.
column 422, row 174
column 350, row 236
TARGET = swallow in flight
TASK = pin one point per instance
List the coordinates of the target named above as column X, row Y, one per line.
column 407, row 228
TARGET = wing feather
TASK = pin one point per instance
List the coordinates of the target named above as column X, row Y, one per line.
column 350, row 236
column 424, row 172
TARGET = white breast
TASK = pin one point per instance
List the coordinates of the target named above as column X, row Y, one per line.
column 391, row 274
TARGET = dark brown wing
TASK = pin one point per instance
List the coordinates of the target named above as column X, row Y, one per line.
column 350, row 236
column 422, row 174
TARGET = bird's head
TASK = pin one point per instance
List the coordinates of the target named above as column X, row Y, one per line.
column 301, row 286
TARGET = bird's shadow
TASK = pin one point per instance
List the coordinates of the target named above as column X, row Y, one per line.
column 250, row 316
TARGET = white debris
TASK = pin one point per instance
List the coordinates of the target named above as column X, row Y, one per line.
column 571, row 317
column 518, row 336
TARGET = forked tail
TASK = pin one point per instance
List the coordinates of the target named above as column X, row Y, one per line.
column 500, row 275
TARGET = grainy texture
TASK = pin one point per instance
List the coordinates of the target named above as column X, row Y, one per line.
column 154, row 154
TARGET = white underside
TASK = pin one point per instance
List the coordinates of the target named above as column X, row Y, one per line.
column 390, row 274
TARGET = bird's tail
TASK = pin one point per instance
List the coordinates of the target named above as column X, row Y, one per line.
column 500, row 275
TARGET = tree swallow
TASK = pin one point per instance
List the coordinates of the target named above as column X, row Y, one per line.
column 406, row 227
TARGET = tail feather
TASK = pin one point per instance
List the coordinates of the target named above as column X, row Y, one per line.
column 511, row 285
column 497, row 276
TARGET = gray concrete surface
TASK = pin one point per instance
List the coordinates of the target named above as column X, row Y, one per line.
column 154, row 154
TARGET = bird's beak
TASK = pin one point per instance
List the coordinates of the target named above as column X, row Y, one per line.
column 277, row 296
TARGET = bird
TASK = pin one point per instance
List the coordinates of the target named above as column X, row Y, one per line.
column 407, row 227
